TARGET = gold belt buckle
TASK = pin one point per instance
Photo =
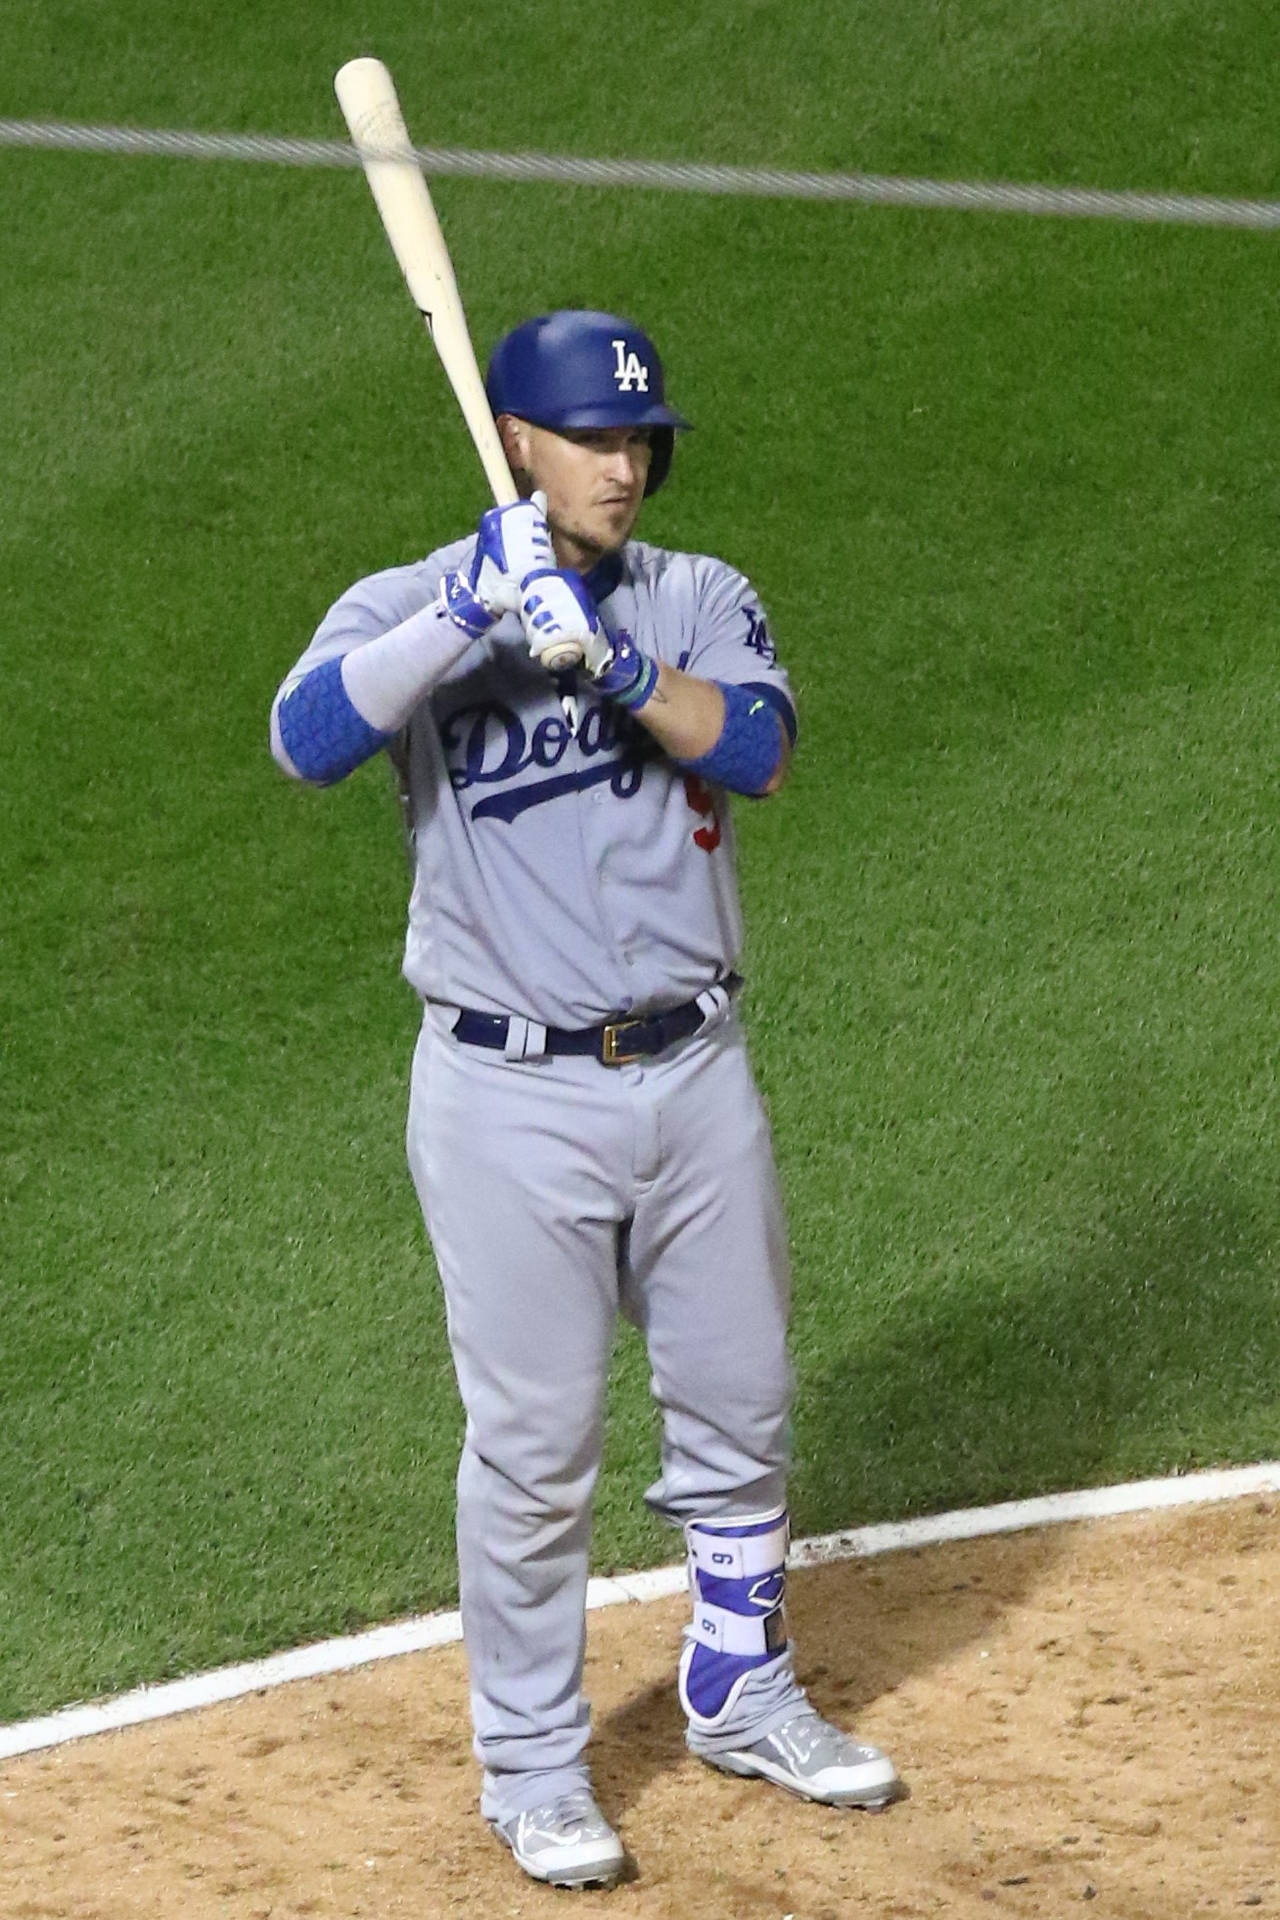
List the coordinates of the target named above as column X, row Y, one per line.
column 609, row 1050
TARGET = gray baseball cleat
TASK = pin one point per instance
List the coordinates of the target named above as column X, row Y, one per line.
column 567, row 1842
column 810, row 1757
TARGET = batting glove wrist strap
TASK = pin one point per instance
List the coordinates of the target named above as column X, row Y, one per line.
column 464, row 606
column 630, row 676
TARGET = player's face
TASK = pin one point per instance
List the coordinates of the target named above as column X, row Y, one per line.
column 594, row 479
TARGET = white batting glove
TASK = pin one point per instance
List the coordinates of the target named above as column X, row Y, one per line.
column 512, row 542
column 476, row 608
column 560, row 616
column 516, row 540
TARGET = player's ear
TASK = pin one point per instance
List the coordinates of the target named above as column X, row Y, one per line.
column 516, row 444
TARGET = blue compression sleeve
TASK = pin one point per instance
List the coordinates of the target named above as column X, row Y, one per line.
column 323, row 734
column 747, row 754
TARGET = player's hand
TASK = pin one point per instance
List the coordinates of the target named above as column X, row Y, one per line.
column 476, row 607
column 557, row 610
column 514, row 541
column 511, row 543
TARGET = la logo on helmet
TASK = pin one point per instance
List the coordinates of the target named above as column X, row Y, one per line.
column 631, row 373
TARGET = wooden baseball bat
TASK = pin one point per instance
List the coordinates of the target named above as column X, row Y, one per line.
column 369, row 104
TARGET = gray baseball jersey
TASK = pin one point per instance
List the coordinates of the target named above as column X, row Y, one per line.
column 565, row 878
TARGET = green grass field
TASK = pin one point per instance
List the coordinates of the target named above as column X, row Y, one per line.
column 1010, row 490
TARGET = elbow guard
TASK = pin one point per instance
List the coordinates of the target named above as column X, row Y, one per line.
column 323, row 735
column 749, row 750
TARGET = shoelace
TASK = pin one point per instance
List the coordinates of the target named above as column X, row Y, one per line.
column 812, row 1738
column 575, row 1817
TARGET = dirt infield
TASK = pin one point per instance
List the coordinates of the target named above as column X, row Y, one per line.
column 1087, row 1719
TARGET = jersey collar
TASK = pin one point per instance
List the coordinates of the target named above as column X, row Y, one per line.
column 604, row 576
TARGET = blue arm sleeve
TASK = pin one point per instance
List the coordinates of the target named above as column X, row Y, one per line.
column 747, row 754
column 324, row 736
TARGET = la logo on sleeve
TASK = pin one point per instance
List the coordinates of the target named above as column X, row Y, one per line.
column 630, row 372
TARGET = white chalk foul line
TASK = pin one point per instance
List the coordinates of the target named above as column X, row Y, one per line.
column 438, row 1629
column 769, row 183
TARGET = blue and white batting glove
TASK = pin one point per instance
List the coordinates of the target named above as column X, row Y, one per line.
column 627, row 676
column 512, row 542
column 516, row 540
column 475, row 609
column 557, row 610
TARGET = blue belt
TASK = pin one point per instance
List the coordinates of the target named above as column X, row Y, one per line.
column 613, row 1044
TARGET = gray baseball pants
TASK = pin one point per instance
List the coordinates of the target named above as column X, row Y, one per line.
column 556, row 1193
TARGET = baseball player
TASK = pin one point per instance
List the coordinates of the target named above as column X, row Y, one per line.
column 584, row 1132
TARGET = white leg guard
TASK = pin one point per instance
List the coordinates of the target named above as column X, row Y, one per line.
column 737, row 1577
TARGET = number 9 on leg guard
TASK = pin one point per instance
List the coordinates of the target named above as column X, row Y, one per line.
column 737, row 1577
column 747, row 1713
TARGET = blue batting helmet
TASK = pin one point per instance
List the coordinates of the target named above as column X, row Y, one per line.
column 580, row 369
